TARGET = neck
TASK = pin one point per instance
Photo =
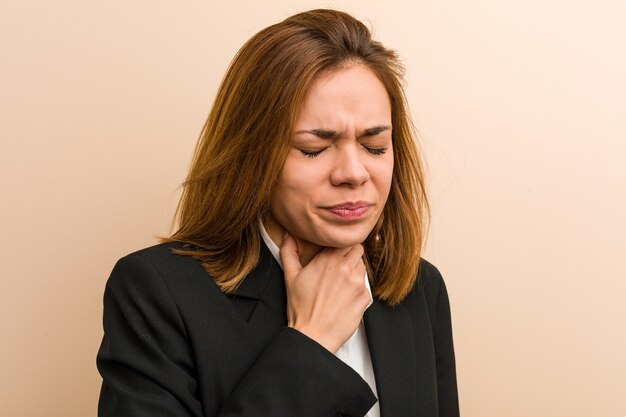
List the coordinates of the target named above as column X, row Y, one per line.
column 306, row 249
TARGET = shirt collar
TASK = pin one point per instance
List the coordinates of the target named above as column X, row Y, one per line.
column 270, row 243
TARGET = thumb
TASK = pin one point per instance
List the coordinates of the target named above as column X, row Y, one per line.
column 289, row 256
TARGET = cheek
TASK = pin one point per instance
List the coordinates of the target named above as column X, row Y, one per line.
column 293, row 190
column 298, row 181
column 384, row 176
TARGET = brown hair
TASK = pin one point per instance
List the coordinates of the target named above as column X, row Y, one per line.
column 248, row 133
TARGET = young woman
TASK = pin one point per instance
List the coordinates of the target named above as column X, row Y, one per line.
column 293, row 285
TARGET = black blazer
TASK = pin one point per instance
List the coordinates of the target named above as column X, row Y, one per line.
column 175, row 345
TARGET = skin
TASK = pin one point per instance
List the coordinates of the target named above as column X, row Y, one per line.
column 342, row 152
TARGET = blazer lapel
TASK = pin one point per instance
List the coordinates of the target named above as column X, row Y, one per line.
column 261, row 299
column 390, row 338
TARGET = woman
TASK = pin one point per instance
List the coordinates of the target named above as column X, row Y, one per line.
column 293, row 285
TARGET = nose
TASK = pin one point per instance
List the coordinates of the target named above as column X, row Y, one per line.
column 349, row 168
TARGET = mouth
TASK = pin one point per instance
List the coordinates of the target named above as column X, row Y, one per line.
column 350, row 210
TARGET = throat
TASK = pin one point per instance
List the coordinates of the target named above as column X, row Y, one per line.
column 306, row 249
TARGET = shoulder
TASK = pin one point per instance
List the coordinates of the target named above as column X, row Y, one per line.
column 154, row 267
column 429, row 287
column 429, row 279
column 162, row 257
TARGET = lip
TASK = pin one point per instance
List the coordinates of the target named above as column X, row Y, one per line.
column 350, row 210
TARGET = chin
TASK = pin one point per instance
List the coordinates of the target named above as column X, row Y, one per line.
column 343, row 238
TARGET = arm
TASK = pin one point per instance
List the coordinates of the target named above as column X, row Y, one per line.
column 144, row 359
column 148, row 368
column 444, row 346
column 296, row 376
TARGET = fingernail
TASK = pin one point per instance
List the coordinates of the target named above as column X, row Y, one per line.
column 285, row 234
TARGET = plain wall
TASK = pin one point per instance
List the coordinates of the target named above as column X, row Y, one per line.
column 521, row 111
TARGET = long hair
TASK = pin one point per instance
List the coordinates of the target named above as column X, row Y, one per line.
column 245, row 140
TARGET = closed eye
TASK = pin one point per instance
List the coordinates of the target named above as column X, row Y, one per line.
column 312, row 154
column 376, row 151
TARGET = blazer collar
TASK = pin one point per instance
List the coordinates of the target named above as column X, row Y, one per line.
column 255, row 283
column 263, row 293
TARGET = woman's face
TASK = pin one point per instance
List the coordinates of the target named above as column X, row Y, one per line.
column 337, row 175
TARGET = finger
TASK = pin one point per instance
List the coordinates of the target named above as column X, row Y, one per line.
column 355, row 254
column 289, row 256
column 360, row 267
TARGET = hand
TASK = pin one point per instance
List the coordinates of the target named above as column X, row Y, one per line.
column 327, row 298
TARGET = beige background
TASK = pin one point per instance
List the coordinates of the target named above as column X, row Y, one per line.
column 521, row 109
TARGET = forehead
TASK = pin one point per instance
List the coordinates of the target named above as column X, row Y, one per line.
column 347, row 94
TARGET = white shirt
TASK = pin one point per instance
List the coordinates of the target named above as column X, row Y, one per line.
column 355, row 352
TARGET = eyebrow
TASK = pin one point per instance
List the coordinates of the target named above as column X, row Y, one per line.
column 333, row 134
